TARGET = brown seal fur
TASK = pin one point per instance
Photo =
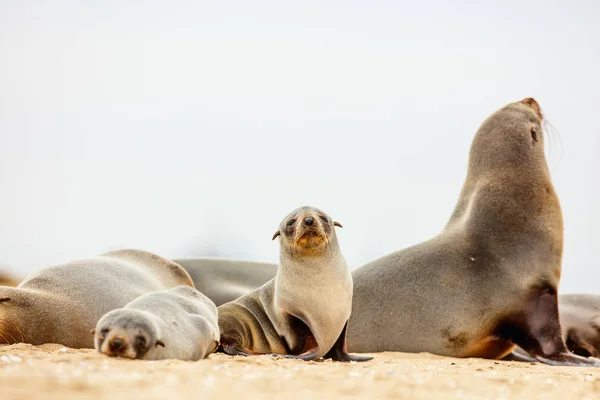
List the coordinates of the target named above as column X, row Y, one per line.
column 489, row 280
column 580, row 321
column 223, row 280
column 303, row 312
column 8, row 280
column 61, row 304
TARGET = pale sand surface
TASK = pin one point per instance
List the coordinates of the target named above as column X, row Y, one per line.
column 56, row 372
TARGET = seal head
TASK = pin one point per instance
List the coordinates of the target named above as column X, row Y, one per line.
column 126, row 333
column 306, row 232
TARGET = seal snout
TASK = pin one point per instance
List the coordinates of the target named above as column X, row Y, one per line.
column 308, row 221
column 116, row 345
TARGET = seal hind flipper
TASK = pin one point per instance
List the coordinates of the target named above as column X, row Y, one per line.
column 339, row 353
column 305, row 357
column 516, row 356
column 544, row 342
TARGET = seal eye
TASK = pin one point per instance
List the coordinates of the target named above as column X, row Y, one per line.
column 534, row 135
column 140, row 342
column 324, row 219
column 290, row 222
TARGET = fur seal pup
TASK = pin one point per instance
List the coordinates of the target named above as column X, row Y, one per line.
column 223, row 280
column 303, row 312
column 489, row 280
column 178, row 323
column 61, row 304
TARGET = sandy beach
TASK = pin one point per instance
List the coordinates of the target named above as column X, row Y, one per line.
column 55, row 372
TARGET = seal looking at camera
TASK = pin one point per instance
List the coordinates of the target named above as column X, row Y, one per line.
column 303, row 312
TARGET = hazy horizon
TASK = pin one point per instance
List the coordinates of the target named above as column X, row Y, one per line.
column 192, row 130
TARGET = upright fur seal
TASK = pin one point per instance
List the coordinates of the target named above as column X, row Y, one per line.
column 61, row 304
column 489, row 280
column 303, row 312
column 178, row 323
column 223, row 280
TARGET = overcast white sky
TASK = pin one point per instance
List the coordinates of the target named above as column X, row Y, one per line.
column 193, row 128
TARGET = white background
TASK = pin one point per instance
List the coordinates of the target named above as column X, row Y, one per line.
column 193, row 128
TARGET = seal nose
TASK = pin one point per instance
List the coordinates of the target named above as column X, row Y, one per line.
column 115, row 345
column 308, row 221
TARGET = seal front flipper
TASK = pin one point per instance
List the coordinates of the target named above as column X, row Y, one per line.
column 231, row 347
column 536, row 329
column 579, row 345
column 339, row 353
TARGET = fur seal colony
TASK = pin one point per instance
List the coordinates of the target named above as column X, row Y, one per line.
column 178, row 323
column 489, row 280
column 303, row 312
column 61, row 304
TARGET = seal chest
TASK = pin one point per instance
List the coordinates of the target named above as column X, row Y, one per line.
column 302, row 312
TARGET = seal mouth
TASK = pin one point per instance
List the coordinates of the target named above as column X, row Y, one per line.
column 310, row 238
column 123, row 345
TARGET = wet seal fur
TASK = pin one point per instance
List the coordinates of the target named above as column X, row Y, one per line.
column 303, row 312
column 178, row 323
column 223, row 280
column 61, row 304
column 489, row 280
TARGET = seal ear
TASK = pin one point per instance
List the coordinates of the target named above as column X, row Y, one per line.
column 276, row 234
column 93, row 331
column 160, row 343
column 335, row 223
column 3, row 299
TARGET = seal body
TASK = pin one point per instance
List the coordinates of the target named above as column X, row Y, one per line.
column 61, row 304
column 8, row 280
column 302, row 312
column 580, row 325
column 580, row 321
column 223, row 280
column 489, row 280
column 178, row 323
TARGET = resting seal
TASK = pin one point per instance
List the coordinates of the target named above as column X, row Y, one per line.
column 61, row 304
column 580, row 321
column 489, row 280
column 178, row 323
column 302, row 312
column 223, row 280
